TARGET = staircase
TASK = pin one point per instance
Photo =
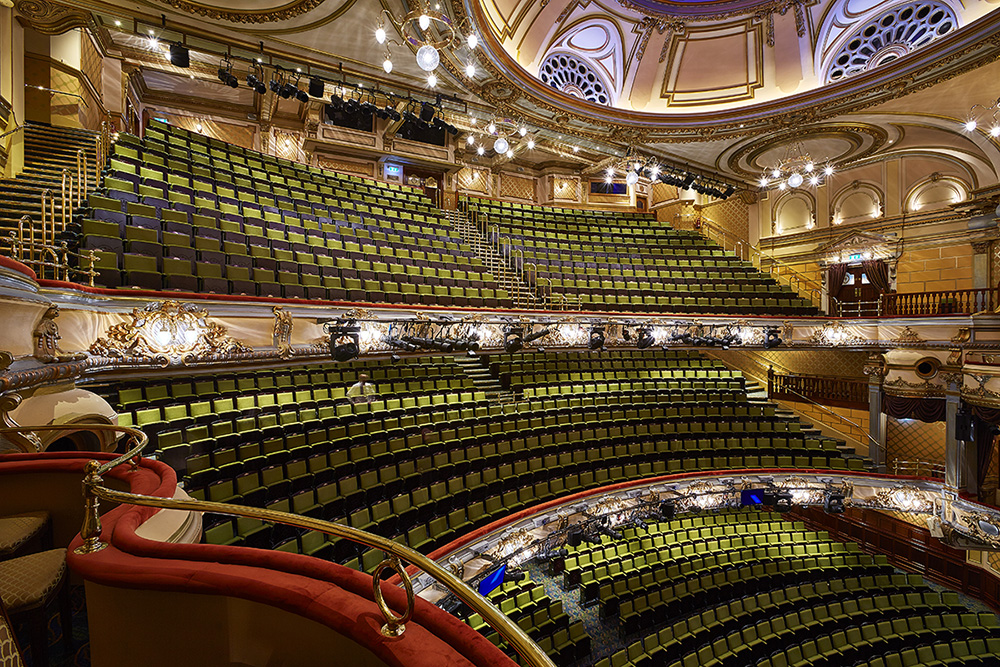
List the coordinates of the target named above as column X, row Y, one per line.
column 507, row 279
column 484, row 380
column 47, row 151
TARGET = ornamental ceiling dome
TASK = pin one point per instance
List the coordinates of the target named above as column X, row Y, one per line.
column 681, row 57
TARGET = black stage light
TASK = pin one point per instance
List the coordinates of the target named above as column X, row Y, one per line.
column 256, row 84
column 452, row 130
column 301, row 95
column 180, row 56
column 688, row 180
column 345, row 338
column 834, row 503
column 645, row 338
column 316, row 87
column 626, row 334
column 427, row 112
column 351, row 106
column 512, row 339
column 337, row 102
column 668, row 510
column 729, row 192
column 596, row 341
column 286, row 91
column 541, row 333
column 772, row 338
column 574, row 537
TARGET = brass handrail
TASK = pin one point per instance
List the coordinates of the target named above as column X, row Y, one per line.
column 94, row 491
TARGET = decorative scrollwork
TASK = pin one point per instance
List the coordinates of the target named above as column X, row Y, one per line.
column 282, row 333
column 282, row 13
column 170, row 333
column 51, row 18
column 26, row 441
column 907, row 336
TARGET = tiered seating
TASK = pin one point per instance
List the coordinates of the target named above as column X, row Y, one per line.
column 750, row 589
column 525, row 602
column 631, row 262
column 431, row 458
column 180, row 211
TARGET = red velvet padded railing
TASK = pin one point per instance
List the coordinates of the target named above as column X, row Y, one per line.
column 825, row 390
column 946, row 302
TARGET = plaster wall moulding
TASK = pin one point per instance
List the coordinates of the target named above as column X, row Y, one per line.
column 169, row 333
column 280, row 13
column 907, row 335
column 50, row 18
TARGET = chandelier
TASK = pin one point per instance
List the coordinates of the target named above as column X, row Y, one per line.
column 416, row 31
column 795, row 169
column 499, row 135
column 975, row 118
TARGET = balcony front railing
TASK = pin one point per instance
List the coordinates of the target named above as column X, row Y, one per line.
column 944, row 302
column 825, row 390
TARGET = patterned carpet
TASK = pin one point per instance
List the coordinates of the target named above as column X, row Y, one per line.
column 79, row 656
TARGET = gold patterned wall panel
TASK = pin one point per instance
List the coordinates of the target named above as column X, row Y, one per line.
column 732, row 215
column 366, row 169
column 240, row 135
column 565, row 188
column 91, row 63
column 475, row 180
column 517, row 187
column 914, row 440
column 663, row 192
column 839, row 363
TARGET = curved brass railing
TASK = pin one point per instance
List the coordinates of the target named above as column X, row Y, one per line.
column 94, row 491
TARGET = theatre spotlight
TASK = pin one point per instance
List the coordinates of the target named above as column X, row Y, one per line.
column 180, row 56
column 596, row 341
column 427, row 112
column 226, row 74
column 645, row 338
column 668, row 509
column 399, row 344
column 834, row 503
column 255, row 80
column 772, row 338
column 345, row 337
column 783, row 501
column 301, row 95
column 513, row 338
column 316, row 87
column 535, row 335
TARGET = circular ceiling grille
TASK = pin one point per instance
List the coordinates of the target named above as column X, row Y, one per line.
column 901, row 30
column 573, row 77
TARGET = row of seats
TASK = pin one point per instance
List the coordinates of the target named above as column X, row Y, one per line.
column 182, row 213
column 544, row 620
column 633, row 263
column 749, row 588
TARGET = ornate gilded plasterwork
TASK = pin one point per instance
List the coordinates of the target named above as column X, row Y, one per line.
column 50, row 18
column 907, row 336
column 280, row 13
column 168, row 332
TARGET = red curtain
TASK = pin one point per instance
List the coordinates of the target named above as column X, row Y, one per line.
column 878, row 274
column 835, row 278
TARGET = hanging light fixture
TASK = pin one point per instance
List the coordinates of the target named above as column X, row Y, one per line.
column 500, row 145
column 419, row 28
column 795, row 169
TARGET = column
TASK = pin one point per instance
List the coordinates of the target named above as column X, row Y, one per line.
column 954, row 451
column 875, row 370
column 981, row 264
column 876, row 423
column 12, row 88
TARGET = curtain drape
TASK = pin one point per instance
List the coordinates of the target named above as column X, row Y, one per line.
column 878, row 274
column 905, row 407
column 835, row 278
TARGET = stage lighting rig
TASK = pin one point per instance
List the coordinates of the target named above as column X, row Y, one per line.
column 345, row 339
